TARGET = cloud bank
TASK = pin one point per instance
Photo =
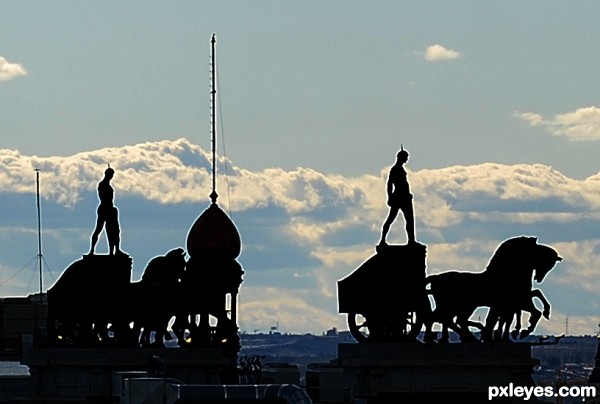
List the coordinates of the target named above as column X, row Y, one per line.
column 302, row 230
column 583, row 124
column 9, row 70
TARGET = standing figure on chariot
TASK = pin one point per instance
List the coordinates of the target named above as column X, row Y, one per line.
column 107, row 215
column 399, row 198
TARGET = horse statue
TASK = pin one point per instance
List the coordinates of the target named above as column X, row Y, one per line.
column 504, row 315
column 505, row 287
column 167, row 268
column 160, row 284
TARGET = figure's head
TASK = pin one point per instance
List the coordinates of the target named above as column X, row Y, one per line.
column 402, row 155
column 109, row 172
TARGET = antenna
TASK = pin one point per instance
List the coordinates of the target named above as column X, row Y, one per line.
column 39, row 306
column 213, row 119
column 39, row 218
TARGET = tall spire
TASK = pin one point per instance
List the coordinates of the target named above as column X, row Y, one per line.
column 213, row 234
column 213, row 118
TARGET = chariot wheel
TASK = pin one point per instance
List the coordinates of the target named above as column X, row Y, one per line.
column 61, row 332
column 358, row 326
column 417, row 320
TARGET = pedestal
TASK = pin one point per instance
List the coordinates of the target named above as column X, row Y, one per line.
column 80, row 373
column 418, row 371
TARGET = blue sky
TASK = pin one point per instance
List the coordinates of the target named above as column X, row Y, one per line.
column 334, row 86
column 496, row 102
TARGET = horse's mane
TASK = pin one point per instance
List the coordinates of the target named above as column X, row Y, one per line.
column 511, row 252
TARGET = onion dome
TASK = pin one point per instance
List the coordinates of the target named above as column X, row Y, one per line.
column 214, row 235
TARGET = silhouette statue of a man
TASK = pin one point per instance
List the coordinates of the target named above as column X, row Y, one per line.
column 399, row 198
column 108, row 215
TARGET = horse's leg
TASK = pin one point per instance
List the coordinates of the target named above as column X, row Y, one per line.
column 500, row 328
column 504, row 322
column 475, row 324
column 162, row 330
column 181, row 324
column 535, row 314
column 100, row 332
column 429, row 335
column 538, row 293
column 515, row 332
column 159, row 335
column 462, row 321
column 445, row 338
column 508, row 321
column 124, row 334
column 534, row 318
column 144, row 336
column 445, row 320
column 497, row 326
column 491, row 320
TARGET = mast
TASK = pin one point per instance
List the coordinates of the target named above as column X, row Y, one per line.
column 39, row 218
column 213, row 234
column 213, row 118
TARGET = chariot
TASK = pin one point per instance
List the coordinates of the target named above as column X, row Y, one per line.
column 385, row 297
column 94, row 302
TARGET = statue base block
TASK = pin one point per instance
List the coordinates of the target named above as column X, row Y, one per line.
column 79, row 373
column 425, row 373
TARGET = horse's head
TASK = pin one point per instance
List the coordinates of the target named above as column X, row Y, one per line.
column 544, row 260
column 176, row 260
column 168, row 268
column 524, row 255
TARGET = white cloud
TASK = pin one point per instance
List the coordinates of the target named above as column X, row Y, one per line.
column 435, row 53
column 581, row 267
column 9, row 70
column 583, row 124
